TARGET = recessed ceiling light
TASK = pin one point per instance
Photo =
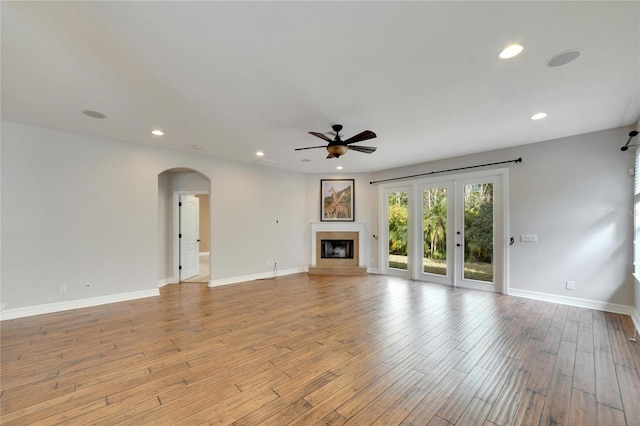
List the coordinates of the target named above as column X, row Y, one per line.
column 260, row 154
column 157, row 132
column 93, row 114
column 339, row 167
column 196, row 146
column 305, row 160
column 511, row 51
column 539, row 116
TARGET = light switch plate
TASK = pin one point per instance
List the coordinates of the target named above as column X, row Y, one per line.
column 528, row 238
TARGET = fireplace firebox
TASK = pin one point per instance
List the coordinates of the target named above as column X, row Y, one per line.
column 336, row 249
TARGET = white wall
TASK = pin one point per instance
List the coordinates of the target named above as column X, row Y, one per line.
column 165, row 213
column 576, row 195
column 74, row 211
column 77, row 208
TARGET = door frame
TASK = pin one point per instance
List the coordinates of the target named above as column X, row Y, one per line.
column 415, row 221
column 176, row 231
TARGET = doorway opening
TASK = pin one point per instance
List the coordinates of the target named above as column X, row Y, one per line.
column 184, row 231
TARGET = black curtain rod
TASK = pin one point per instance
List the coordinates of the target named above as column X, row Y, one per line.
column 517, row 160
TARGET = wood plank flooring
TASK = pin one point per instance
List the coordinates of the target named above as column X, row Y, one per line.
column 306, row 350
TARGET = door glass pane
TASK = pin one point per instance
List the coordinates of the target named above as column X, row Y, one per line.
column 434, row 231
column 478, row 232
column 398, row 229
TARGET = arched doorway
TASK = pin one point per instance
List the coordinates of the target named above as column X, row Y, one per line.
column 174, row 184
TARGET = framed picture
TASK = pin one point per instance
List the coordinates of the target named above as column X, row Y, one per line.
column 337, row 200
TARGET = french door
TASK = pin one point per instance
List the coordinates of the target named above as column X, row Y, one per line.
column 448, row 231
column 398, row 202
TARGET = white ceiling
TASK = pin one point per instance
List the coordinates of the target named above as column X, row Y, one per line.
column 238, row 77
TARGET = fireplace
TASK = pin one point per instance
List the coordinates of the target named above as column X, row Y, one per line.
column 336, row 252
column 336, row 249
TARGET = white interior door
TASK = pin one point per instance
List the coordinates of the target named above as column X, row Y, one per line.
column 189, row 236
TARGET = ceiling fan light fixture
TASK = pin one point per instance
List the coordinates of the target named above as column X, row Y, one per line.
column 337, row 150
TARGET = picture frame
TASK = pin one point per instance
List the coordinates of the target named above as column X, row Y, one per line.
column 337, row 200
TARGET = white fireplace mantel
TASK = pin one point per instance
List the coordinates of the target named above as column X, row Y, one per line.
column 340, row 227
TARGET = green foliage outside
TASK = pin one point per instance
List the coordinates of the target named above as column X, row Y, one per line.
column 434, row 223
column 478, row 223
column 398, row 230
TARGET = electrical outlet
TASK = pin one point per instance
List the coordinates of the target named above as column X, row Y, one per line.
column 571, row 285
column 525, row 238
column 87, row 285
column 63, row 288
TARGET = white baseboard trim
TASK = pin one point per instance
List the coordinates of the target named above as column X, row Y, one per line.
column 253, row 277
column 48, row 308
column 574, row 301
column 373, row 271
column 162, row 283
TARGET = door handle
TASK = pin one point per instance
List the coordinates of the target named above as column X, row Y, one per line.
column 458, row 245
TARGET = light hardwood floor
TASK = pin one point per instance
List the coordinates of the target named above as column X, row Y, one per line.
column 321, row 350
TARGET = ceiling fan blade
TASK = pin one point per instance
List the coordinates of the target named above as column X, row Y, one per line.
column 362, row 136
column 311, row 147
column 365, row 149
column 321, row 136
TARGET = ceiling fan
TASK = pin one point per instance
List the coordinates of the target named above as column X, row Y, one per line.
column 338, row 147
